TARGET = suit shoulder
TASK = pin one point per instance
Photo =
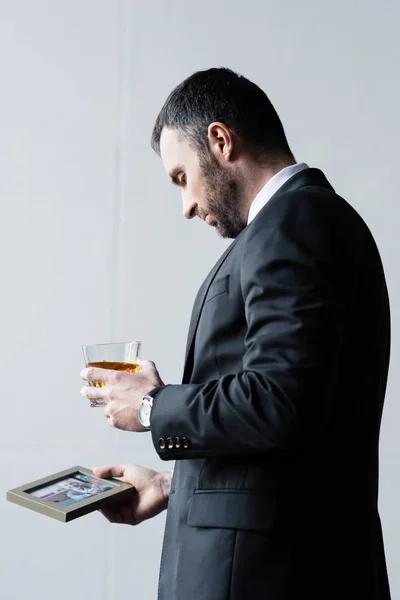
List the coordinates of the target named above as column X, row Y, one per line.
column 309, row 206
column 316, row 217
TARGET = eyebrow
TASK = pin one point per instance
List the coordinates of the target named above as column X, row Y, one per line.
column 174, row 174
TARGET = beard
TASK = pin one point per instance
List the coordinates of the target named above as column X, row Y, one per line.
column 223, row 198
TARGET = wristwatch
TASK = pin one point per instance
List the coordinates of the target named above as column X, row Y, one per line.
column 144, row 410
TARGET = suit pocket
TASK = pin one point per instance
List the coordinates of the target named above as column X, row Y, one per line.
column 218, row 287
column 232, row 509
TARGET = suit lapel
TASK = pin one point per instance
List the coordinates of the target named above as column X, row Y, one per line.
column 198, row 307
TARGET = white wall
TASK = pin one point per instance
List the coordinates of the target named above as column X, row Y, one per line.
column 93, row 246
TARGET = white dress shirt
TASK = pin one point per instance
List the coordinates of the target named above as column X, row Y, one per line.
column 273, row 186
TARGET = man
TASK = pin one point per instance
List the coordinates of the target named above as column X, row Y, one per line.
column 275, row 427
column 75, row 491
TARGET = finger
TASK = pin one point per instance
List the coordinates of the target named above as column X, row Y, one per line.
column 109, row 413
column 127, row 513
column 93, row 393
column 111, row 515
column 94, row 374
column 106, row 471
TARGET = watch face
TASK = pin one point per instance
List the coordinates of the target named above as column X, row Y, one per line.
column 144, row 414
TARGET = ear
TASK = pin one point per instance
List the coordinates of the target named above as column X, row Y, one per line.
column 221, row 140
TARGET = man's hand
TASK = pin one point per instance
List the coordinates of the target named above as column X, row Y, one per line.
column 150, row 498
column 123, row 392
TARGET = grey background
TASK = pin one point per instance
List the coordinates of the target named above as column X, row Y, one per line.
column 93, row 247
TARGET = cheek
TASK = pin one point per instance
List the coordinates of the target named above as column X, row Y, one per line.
column 197, row 191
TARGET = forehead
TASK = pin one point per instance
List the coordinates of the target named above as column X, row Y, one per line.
column 175, row 150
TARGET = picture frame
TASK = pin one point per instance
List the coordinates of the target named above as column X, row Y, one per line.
column 70, row 494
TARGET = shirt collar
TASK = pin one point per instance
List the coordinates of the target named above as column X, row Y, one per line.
column 272, row 186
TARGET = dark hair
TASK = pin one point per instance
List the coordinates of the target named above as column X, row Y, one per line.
column 225, row 96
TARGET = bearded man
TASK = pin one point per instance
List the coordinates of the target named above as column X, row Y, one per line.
column 275, row 426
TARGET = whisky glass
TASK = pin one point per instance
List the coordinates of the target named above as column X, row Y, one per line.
column 120, row 356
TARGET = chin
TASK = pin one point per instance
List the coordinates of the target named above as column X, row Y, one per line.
column 228, row 233
column 225, row 235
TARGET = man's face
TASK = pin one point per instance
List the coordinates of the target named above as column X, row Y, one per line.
column 73, row 485
column 209, row 190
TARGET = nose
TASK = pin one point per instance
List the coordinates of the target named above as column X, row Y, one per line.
column 189, row 209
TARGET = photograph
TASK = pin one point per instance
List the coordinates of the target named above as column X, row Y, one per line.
column 72, row 489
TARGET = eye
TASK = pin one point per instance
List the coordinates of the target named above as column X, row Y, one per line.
column 182, row 179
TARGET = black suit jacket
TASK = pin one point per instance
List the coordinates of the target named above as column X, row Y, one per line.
column 275, row 427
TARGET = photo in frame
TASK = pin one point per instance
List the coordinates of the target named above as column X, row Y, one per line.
column 70, row 494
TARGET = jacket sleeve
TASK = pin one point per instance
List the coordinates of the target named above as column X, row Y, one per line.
column 295, row 303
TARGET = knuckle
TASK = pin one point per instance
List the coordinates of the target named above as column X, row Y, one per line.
column 110, row 395
column 108, row 409
column 148, row 364
column 114, row 377
column 90, row 373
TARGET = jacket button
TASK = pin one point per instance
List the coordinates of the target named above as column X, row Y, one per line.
column 185, row 443
column 161, row 443
column 177, row 442
column 170, row 443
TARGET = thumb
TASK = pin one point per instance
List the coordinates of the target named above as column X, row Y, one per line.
column 148, row 366
column 109, row 471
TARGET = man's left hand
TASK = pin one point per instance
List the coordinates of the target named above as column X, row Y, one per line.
column 123, row 392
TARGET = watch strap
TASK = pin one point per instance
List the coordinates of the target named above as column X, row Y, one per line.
column 149, row 400
column 153, row 393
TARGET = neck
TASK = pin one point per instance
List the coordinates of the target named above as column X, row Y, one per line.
column 257, row 176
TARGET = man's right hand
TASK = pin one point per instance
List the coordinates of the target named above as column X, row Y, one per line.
column 150, row 498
